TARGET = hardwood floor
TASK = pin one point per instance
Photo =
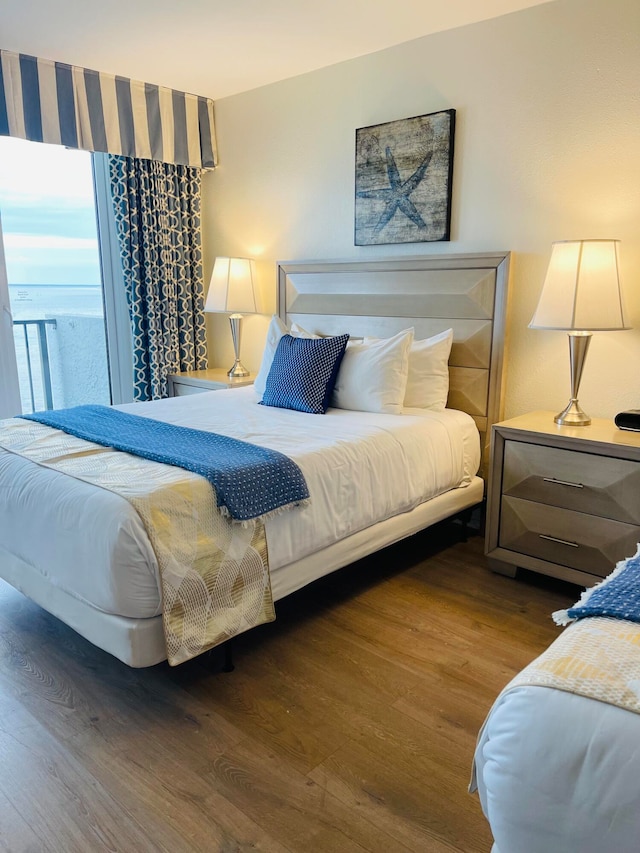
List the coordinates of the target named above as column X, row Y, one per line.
column 349, row 724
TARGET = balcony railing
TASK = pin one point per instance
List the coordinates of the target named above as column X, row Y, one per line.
column 42, row 358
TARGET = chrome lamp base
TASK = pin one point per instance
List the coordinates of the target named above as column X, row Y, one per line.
column 238, row 371
column 572, row 414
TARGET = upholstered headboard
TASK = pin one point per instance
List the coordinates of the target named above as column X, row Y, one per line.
column 467, row 293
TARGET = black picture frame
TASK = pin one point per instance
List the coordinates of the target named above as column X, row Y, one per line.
column 403, row 180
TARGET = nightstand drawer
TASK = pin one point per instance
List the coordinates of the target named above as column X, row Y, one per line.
column 583, row 542
column 182, row 390
column 583, row 482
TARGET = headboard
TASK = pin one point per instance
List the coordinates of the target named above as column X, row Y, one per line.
column 467, row 293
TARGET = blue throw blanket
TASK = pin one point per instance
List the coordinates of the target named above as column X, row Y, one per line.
column 617, row 596
column 250, row 481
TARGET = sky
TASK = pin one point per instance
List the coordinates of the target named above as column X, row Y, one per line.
column 48, row 214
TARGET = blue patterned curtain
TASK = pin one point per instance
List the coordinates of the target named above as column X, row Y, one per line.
column 157, row 211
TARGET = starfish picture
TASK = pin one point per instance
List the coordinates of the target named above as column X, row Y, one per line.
column 397, row 195
column 403, row 179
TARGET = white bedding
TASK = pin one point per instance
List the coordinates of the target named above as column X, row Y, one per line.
column 361, row 468
column 558, row 773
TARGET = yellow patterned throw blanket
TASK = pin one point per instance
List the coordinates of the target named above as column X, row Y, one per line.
column 214, row 573
column 597, row 657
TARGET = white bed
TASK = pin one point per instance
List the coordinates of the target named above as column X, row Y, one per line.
column 558, row 773
column 556, row 764
column 104, row 581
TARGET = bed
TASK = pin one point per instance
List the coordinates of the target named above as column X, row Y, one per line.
column 557, row 758
column 81, row 553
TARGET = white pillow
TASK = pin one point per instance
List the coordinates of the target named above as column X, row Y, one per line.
column 373, row 375
column 428, row 381
column 275, row 331
column 298, row 332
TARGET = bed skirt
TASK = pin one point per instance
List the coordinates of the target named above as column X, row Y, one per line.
column 140, row 642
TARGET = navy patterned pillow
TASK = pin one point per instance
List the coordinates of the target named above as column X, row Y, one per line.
column 303, row 373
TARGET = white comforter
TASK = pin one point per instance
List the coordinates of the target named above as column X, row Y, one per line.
column 360, row 468
column 558, row 773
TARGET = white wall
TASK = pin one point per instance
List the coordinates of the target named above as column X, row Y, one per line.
column 547, row 148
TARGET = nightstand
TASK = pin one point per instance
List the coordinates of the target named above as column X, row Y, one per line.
column 197, row 381
column 563, row 501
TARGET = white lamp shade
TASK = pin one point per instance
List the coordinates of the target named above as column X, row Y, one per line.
column 581, row 290
column 232, row 287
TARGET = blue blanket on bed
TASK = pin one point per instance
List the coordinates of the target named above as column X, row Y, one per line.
column 250, row 481
column 617, row 596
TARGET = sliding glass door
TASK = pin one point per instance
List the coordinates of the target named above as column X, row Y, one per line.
column 57, row 290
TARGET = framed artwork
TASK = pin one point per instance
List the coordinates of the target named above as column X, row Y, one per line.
column 404, row 172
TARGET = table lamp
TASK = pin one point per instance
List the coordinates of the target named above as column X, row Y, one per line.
column 581, row 294
column 232, row 291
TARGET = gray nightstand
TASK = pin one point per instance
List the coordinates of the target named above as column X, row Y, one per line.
column 563, row 501
column 197, row 381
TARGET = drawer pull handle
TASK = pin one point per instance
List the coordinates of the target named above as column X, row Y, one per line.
column 559, row 541
column 562, row 482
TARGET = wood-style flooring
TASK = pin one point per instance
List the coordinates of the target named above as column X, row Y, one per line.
column 349, row 724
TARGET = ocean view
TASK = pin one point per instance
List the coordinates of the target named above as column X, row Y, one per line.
column 36, row 301
column 77, row 358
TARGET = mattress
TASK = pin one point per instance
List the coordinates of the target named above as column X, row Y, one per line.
column 558, row 772
column 361, row 468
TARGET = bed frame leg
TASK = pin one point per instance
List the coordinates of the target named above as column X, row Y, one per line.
column 228, row 665
column 465, row 518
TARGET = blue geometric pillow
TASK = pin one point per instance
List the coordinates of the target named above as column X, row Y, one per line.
column 303, row 373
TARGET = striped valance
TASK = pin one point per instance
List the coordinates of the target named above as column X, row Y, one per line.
column 53, row 102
